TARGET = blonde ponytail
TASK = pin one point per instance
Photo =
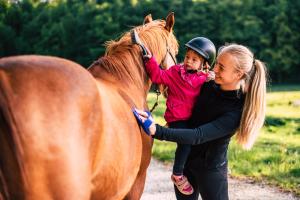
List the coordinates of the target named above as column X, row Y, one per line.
column 253, row 115
column 253, row 84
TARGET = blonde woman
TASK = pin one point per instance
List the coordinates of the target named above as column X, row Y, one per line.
column 233, row 103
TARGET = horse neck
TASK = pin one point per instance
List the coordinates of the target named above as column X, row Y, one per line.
column 125, row 72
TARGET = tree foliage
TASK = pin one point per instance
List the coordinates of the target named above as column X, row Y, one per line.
column 78, row 30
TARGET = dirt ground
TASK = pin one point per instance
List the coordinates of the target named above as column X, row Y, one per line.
column 159, row 187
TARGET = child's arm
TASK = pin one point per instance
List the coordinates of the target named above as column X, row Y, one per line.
column 156, row 74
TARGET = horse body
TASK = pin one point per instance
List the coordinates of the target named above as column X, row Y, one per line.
column 48, row 118
column 69, row 133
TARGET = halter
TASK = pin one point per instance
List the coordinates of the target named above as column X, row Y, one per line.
column 136, row 40
column 170, row 54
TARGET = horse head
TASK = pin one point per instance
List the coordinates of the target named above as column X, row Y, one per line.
column 123, row 62
column 166, row 57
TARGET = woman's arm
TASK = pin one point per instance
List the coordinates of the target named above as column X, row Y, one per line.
column 222, row 126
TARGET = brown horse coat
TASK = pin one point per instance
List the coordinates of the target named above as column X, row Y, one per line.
column 68, row 133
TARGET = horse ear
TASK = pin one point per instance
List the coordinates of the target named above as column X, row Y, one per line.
column 170, row 21
column 148, row 19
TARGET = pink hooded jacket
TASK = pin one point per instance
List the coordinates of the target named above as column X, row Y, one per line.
column 183, row 88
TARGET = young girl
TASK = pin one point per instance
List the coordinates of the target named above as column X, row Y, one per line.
column 184, row 83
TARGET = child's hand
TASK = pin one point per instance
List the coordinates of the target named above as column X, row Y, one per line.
column 206, row 67
column 147, row 56
column 210, row 76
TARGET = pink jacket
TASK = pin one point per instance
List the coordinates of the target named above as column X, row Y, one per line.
column 183, row 88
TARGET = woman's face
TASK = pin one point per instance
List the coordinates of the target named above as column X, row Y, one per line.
column 192, row 60
column 227, row 76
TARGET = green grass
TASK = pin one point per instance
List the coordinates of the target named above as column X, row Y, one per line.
column 275, row 157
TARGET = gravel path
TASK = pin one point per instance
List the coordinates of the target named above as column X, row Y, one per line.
column 159, row 187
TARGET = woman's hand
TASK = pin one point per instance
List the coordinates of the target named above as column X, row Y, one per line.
column 145, row 120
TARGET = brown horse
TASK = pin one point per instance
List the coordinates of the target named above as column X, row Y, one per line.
column 69, row 133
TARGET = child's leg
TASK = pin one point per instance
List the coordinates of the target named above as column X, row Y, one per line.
column 179, row 180
column 181, row 155
column 182, row 150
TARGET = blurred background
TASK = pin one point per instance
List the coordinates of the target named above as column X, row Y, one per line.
column 77, row 29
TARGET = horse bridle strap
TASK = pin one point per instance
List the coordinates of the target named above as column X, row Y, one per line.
column 136, row 40
column 157, row 95
column 169, row 52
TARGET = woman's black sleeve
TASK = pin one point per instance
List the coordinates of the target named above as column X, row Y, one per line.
column 222, row 126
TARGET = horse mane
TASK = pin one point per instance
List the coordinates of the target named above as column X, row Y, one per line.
column 123, row 59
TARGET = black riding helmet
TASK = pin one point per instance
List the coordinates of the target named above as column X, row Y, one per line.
column 204, row 47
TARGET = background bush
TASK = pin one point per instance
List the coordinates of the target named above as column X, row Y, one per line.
column 77, row 29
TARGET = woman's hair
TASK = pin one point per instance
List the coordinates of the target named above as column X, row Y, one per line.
column 254, row 85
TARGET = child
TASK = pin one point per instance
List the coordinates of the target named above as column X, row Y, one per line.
column 184, row 82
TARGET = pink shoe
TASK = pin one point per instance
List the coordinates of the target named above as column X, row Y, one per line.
column 183, row 185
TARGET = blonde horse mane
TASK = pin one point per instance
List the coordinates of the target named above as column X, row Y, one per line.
column 123, row 59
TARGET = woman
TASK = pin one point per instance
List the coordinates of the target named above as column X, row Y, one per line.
column 233, row 103
column 184, row 82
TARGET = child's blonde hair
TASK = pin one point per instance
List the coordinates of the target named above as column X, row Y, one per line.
column 254, row 85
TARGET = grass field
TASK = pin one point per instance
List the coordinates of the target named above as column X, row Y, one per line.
column 275, row 157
